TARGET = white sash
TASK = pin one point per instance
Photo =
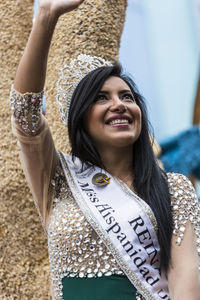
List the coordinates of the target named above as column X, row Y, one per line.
column 124, row 222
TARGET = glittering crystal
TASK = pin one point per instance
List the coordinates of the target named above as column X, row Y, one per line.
column 80, row 251
column 99, row 274
column 87, row 255
column 84, row 247
column 108, row 273
column 92, row 248
column 182, row 229
column 74, row 257
column 83, row 268
column 89, row 270
column 75, row 270
column 80, row 228
column 25, row 111
column 91, row 275
column 86, row 240
column 107, row 266
column 81, row 274
column 105, row 257
column 103, row 270
column 98, row 264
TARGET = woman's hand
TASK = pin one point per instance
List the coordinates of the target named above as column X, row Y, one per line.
column 59, row 7
column 31, row 72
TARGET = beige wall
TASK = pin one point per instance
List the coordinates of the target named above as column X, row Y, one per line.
column 94, row 29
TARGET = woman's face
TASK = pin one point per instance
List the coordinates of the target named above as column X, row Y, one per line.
column 114, row 119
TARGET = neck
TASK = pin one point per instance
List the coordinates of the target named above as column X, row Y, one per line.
column 119, row 163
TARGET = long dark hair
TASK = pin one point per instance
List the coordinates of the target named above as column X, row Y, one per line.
column 150, row 181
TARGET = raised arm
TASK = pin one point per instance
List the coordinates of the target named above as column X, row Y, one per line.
column 31, row 73
column 36, row 147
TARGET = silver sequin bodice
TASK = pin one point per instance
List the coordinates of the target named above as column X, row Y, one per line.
column 74, row 248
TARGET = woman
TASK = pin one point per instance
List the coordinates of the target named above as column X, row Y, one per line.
column 107, row 209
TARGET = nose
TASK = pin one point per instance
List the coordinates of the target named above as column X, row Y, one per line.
column 117, row 105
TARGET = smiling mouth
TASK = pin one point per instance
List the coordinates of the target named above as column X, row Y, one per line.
column 119, row 121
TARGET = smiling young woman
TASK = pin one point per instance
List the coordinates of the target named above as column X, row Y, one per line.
column 114, row 120
column 118, row 226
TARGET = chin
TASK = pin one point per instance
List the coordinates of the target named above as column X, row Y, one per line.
column 123, row 142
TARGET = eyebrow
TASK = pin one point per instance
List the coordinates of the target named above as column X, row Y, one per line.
column 121, row 92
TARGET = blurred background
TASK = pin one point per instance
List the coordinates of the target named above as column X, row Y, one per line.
column 160, row 48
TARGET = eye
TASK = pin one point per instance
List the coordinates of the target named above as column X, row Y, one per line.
column 101, row 97
column 128, row 97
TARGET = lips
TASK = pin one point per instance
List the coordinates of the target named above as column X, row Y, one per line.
column 119, row 120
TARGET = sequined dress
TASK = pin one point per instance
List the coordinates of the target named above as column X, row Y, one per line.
column 81, row 265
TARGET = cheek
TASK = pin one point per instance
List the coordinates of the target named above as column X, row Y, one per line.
column 137, row 113
column 90, row 121
column 138, row 116
column 87, row 119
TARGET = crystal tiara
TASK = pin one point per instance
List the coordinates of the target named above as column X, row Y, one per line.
column 70, row 76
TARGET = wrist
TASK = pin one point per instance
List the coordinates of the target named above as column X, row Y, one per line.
column 47, row 16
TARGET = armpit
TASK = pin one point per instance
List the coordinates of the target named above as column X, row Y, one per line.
column 27, row 110
column 185, row 206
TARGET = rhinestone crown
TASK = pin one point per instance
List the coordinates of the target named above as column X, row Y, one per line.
column 70, row 76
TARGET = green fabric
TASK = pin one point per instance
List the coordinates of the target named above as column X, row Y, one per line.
column 115, row 287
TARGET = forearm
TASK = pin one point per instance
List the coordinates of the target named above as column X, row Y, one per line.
column 31, row 73
column 186, row 287
column 183, row 274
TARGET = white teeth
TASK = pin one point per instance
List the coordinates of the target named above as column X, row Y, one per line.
column 119, row 121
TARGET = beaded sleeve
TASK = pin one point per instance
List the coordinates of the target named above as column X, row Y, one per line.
column 26, row 110
column 185, row 207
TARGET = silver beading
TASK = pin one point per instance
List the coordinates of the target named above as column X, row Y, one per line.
column 70, row 76
column 26, row 109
